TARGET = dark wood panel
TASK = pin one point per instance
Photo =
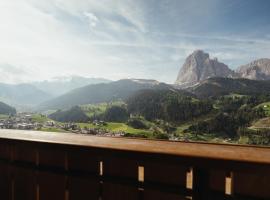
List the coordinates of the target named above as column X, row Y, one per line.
column 5, row 151
column 201, row 185
column 83, row 188
column 122, row 167
column 83, row 159
column 25, row 187
column 217, row 180
column 165, row 173
column 51, row 186
column 256, row 184
column 5, row 182
column 114, row 191
column 159, row 195
column 24, row 152
column 86, row 161
column 52, row 155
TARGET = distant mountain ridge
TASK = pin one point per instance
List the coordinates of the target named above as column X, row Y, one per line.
column 103, row 92
column 199, row 67
column 63, row 84
column 25, row 96
column 22, row 95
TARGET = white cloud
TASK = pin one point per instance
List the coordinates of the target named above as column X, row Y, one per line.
column 13, row 74
column 93, row 20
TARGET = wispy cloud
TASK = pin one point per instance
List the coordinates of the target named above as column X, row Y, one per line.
column 13, row 74
column 122, row 38
column 93, row 20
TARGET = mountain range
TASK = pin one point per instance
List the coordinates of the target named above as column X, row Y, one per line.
column 22, row 95
column 28, row 95
column 200, row 75
column 63, row 84
column 199, row 67
column 104, row 92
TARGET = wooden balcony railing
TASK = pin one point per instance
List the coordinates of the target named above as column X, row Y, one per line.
column 61, row 166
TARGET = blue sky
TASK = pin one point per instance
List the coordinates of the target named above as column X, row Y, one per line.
column 118, row 39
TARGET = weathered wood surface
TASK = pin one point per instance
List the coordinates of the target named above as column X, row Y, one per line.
column 192, row 149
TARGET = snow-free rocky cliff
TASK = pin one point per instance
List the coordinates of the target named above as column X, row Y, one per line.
column 199, row 66
column 256, row 70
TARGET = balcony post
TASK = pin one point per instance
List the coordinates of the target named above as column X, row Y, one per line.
column 200, row 184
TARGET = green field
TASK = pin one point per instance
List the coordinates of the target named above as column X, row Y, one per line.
column 266, row 108
column 116, row 127
column 40, row 118
column 97, row 109
column 3, row 116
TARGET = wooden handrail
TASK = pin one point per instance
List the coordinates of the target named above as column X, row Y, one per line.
column 244, row 153
column 44, row 165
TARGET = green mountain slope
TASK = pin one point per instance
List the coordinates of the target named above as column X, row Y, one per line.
column 104, row 92
column 168, row 105
column 6, row 109
column 75, row 114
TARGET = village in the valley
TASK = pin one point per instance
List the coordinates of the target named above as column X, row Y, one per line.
column 27, row 121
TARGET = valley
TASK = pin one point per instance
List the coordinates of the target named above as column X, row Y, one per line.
column 216, row 105
column 239, row 119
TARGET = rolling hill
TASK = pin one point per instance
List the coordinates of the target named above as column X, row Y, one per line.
column 104, row 92
column 74, row 114
column 6, row 109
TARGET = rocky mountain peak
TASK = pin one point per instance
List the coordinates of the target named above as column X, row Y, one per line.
column 198, row 66
column 200, row 54
column 257, row 70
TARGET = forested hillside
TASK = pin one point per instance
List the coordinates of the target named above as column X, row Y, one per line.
column 74, row 114
column 168, row 105
column 99, row 93
column 6, row 109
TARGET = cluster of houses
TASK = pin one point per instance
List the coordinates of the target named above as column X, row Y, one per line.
column 20, row 121
column 24, row 121
column 101, row 132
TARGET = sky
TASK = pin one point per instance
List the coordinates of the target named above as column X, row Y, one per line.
column 117, row 39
